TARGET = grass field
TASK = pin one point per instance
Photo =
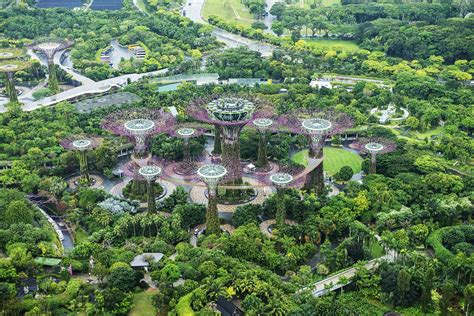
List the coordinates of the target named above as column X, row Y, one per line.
column 229, row 10
column 333, row 44
column 306, row 4
column 334, row 159
column 414, row 135
column 142, row 305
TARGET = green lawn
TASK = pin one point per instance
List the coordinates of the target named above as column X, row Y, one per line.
column 338, row 45
column 414, row 135
column 142, row 305
column 306, row 4
column 229, row 10
column 334, row 159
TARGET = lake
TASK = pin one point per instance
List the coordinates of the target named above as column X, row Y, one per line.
column 58, row 4
column 106, row 5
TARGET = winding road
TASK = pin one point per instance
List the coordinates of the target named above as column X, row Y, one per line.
column 193, row 12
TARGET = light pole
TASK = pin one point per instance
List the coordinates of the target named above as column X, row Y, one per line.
column 212, row 175
column 281, row 181
column 150, row 174
column 262, row 125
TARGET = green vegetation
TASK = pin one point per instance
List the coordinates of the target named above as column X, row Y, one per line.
column 334, row 159
column 336, row 45
column 229, row 10
column 142, row 304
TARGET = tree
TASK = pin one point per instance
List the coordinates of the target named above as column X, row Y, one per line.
column 246, row 214
column 468, row 299
column 427, row 286
column 122, row 277
column 403, row 286
column 447, row 294
column 278, row 28
column 18, row 212
column 345, row 174
column 170, row 273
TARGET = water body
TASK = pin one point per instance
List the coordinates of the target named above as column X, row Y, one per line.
column 69, row 4
column 106, row 5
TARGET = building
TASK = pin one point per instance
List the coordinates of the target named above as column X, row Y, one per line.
column 142, row 260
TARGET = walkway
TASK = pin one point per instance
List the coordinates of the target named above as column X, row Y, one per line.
column 89, row 89
column 265, row 225
column 197, row 195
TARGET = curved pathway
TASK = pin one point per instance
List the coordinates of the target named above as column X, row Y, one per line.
column 197, row 195
column 265, row 225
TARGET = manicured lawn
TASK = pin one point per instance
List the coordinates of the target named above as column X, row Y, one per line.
column 414, row 135
column 334, row 159
column 229, row 10
column 333, row 44
column 306, row 4
column 142, row 304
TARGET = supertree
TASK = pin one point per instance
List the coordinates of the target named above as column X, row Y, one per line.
column 374, row 147
column 149, row 173
column 49, row 47
column 317, row 125
column 138, row 125
column 9, row 68
column 262, row 125
column 281, row 181
column 186, row 132
column 81, row 144
column 212, row 175
column 231, row 114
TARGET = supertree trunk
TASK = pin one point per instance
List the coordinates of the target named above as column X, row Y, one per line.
column 262, row 160
column 231, row 156
column 373, row 164
column 217, row 140
column 10, row 90
column 151, row 196
column 83, row 166
column 315, row 179
column 212, row 217
column 53, row 78
column 186, row 152
column 280, row 208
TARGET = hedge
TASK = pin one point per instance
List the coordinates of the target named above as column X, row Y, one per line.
column 435, row 240
column 183, row 308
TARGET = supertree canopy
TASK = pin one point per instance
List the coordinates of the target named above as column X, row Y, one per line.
column 317, row 125
column 138, row 125
column 10, row 53
column 81, row 144
column 9, row 68
column 186, row 132
column 49, row 47
column 148, row 173
column 212, row 175
column 374, row 147
column 231, row 114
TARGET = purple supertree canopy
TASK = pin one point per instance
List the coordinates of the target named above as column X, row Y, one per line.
column 187, row 131
column 157, row 121
column 81, row 142
column 331, row 122
column 374, row 145
column 240, row 110
column 50, row 45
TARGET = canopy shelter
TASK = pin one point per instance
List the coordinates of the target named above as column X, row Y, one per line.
column 141, row 260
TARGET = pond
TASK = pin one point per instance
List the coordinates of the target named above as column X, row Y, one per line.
column 70, row 4
column 106, row 5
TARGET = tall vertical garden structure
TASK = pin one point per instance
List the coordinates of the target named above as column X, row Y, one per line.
column 262, row 125
column 9, row 68
column 317, row 125
column 149, row 173
column 138, row 125
column 230, row 114
column 187, row 166
column 81, row 144
column 281, row 181
column 374, row 147
column 212, row 175
column 49, row 47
